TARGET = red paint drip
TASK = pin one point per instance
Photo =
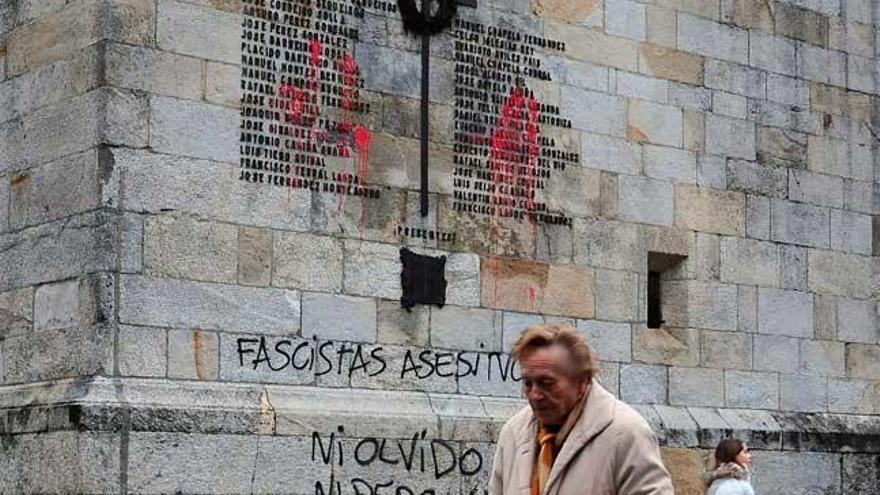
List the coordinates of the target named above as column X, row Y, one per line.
column 514, row 160
column 533, row 295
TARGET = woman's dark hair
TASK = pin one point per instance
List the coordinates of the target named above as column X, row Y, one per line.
column 727, row 450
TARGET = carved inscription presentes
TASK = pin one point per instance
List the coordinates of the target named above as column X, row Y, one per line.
column 300, row 96
column 502, row 160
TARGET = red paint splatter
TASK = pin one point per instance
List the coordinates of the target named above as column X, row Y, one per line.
column 533, row 295
column 513, row 160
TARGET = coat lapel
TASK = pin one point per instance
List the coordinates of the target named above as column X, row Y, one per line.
column 525, row 454
column 596, row 416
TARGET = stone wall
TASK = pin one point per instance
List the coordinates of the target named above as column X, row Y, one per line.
column 181, row 313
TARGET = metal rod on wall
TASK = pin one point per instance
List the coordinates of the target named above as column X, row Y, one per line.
column 426, row 53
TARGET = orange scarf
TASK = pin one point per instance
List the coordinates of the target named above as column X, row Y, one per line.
column 549, row 444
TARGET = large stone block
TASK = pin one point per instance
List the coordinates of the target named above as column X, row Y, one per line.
column 696, row 387
column 751, row 389
column 16, row 312
column 60, row 35
column 729, row 104
column 756, row 178
column 823, row 190
column 696, row 98
column 851, row 232
column 863, row 361
column 142, row 351
column 821, row 65
column 857, row 320
column 671, row 64
column 57, row 305
column 712, row 171
column 105, row 115
column 198, row 130
column 60, row 353
column 859, row 473
column 617, row 295
column 772, row 53
column 471, row 329
column 654, row 123
column 644, row 384
column 646, row 200
column 58, row 189
column 852, row 396
column 670, row 164
column 803, row 394
column 528, row 286
column 736, row 79
column 611, row 154
column 595, row 47
column 625, row 18
column 254, row 256
column 700, row 304
column 58, row 250
column 610, row 341
column 750, row 262
column 775, row 353
column 401, row 326
column 747, row 309
column 727, row 350
column 671, row 346
column 180, row 247
column 750, row 14
column 608, row 115
column 758, row 217
column 822, row 358
column 155, row 71
column 840, row 274
column 793, row 260
column 372, row 269
column 798, row 223
column 155, row 183
column 330, row 316
column 780, row 147
column 184, row 304
column 797, row 472
column 61, row 461
column 709, row 210
column 609, row 244
column 586, row 76
column 639, row 86
column 189, row 463
column 788, row 90
column 661, row 26
column 705, row 37
column 193, row 354
column 730, row 137
column 49, row 84
column 785, row 312
column 222, row 83
column 198, row 31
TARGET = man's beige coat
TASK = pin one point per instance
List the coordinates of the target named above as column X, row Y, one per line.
column 610, row 451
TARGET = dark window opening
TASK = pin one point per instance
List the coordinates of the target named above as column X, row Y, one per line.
column 661, row 267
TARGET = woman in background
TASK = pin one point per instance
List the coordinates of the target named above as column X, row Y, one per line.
column 730, row 476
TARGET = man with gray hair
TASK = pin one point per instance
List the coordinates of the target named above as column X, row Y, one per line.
column 574, row 437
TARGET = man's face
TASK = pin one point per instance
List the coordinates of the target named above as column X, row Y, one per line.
column 550, row 384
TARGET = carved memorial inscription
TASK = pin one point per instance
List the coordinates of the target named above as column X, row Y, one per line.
column 502, row 159
column 300, row 96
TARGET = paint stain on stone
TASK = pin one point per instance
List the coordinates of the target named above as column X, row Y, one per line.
column 636, row 133
column 20, row 180
column 198, row 350
column 570, row 11
column 232, row 6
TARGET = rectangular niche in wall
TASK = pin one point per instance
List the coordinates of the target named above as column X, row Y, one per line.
column 661, row 266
